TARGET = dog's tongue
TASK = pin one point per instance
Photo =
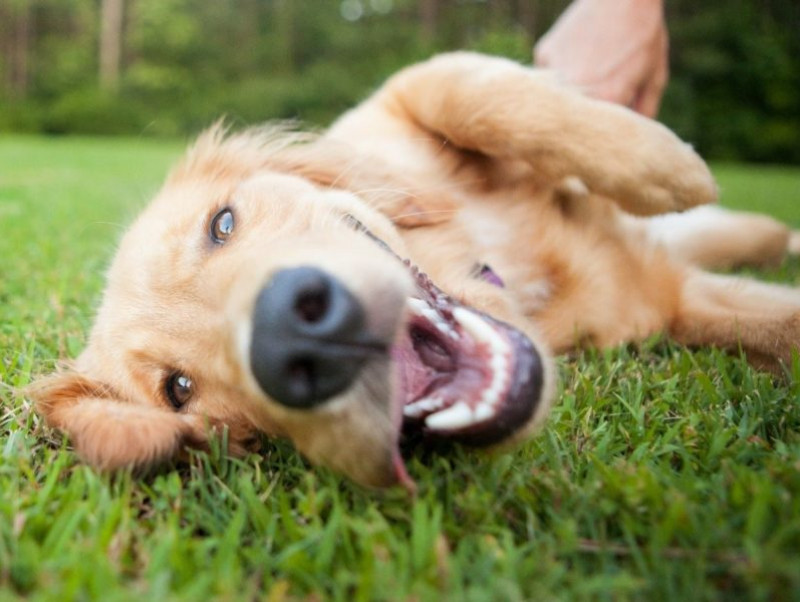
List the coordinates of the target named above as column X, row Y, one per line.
column 414, row 376
column 409, row 375
column 403, row 478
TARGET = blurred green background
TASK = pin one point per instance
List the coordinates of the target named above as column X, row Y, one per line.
column 170, row 67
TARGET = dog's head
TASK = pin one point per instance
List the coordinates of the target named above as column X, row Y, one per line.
column 257, row 295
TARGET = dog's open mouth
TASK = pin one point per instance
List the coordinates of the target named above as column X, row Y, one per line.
column 463, row 375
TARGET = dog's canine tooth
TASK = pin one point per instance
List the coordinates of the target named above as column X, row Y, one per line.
column 422, row 406
column 413, row 411
column 455, row 417
column 484, row 411
column 419, row 308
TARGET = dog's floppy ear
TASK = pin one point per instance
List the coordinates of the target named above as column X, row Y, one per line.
column 107, row 432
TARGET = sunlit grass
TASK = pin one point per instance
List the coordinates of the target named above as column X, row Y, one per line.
column 663, row 474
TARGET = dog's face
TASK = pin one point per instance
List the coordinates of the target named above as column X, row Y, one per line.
column 259, row 301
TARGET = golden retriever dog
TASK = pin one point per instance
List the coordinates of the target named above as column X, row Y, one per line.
column 412, row 270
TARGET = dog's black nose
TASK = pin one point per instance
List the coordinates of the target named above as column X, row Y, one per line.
column 309, row 338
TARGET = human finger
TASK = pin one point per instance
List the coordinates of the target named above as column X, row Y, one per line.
column 648, row 100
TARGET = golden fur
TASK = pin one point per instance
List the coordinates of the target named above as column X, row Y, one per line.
column 460, row 160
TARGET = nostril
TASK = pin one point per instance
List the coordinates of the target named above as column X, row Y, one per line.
column 312, row 304
column 301, row 379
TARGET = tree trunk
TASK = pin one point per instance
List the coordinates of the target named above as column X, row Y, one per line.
column 15, row 21
column 111, row 14
column 527, row 17
column 498, row 13
column 428, row 18
column 5, row 51
column 283, row 34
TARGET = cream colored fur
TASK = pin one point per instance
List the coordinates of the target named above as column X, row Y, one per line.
column 460, row 160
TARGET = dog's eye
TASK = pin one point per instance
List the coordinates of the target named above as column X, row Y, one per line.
column 222, row 226
column 179, row 389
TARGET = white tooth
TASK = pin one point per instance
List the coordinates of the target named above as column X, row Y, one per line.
column 426, row 405
column 499, row 363
column 431, row 315
column 455, row 417
column 480, row 330
column 490, row 396
column 413, row 411
column 484, row 411
column 446, row 330
column 417, row 306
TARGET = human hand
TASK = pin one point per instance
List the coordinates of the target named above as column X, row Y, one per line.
column 616, row 50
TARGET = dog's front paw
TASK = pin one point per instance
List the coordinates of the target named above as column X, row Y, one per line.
column 638, row 162
column 665, row 174
column 678, row 179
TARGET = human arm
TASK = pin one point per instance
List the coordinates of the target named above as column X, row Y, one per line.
column 615, row 50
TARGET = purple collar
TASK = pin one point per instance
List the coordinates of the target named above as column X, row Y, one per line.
column 489, row 275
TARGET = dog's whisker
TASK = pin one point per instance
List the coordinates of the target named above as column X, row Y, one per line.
column 387, row 191
column 353, row 164
column 455, row 184
column 431, row 212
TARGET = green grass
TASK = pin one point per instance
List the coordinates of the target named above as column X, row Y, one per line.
column 662, row 474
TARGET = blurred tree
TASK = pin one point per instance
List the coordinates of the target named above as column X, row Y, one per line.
column 428, row 18
column 735, row 85
column 15, row 33
column 176, row 65
column 111, row 15
column 282, row 33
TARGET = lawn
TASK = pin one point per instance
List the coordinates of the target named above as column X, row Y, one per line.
column 662, row 474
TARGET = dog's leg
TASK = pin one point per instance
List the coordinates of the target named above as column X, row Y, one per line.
column 504, row 110
column 794, row 243
column 732, row 313
column 713, row 237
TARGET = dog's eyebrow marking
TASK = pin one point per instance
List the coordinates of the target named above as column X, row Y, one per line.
column 356, row 224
